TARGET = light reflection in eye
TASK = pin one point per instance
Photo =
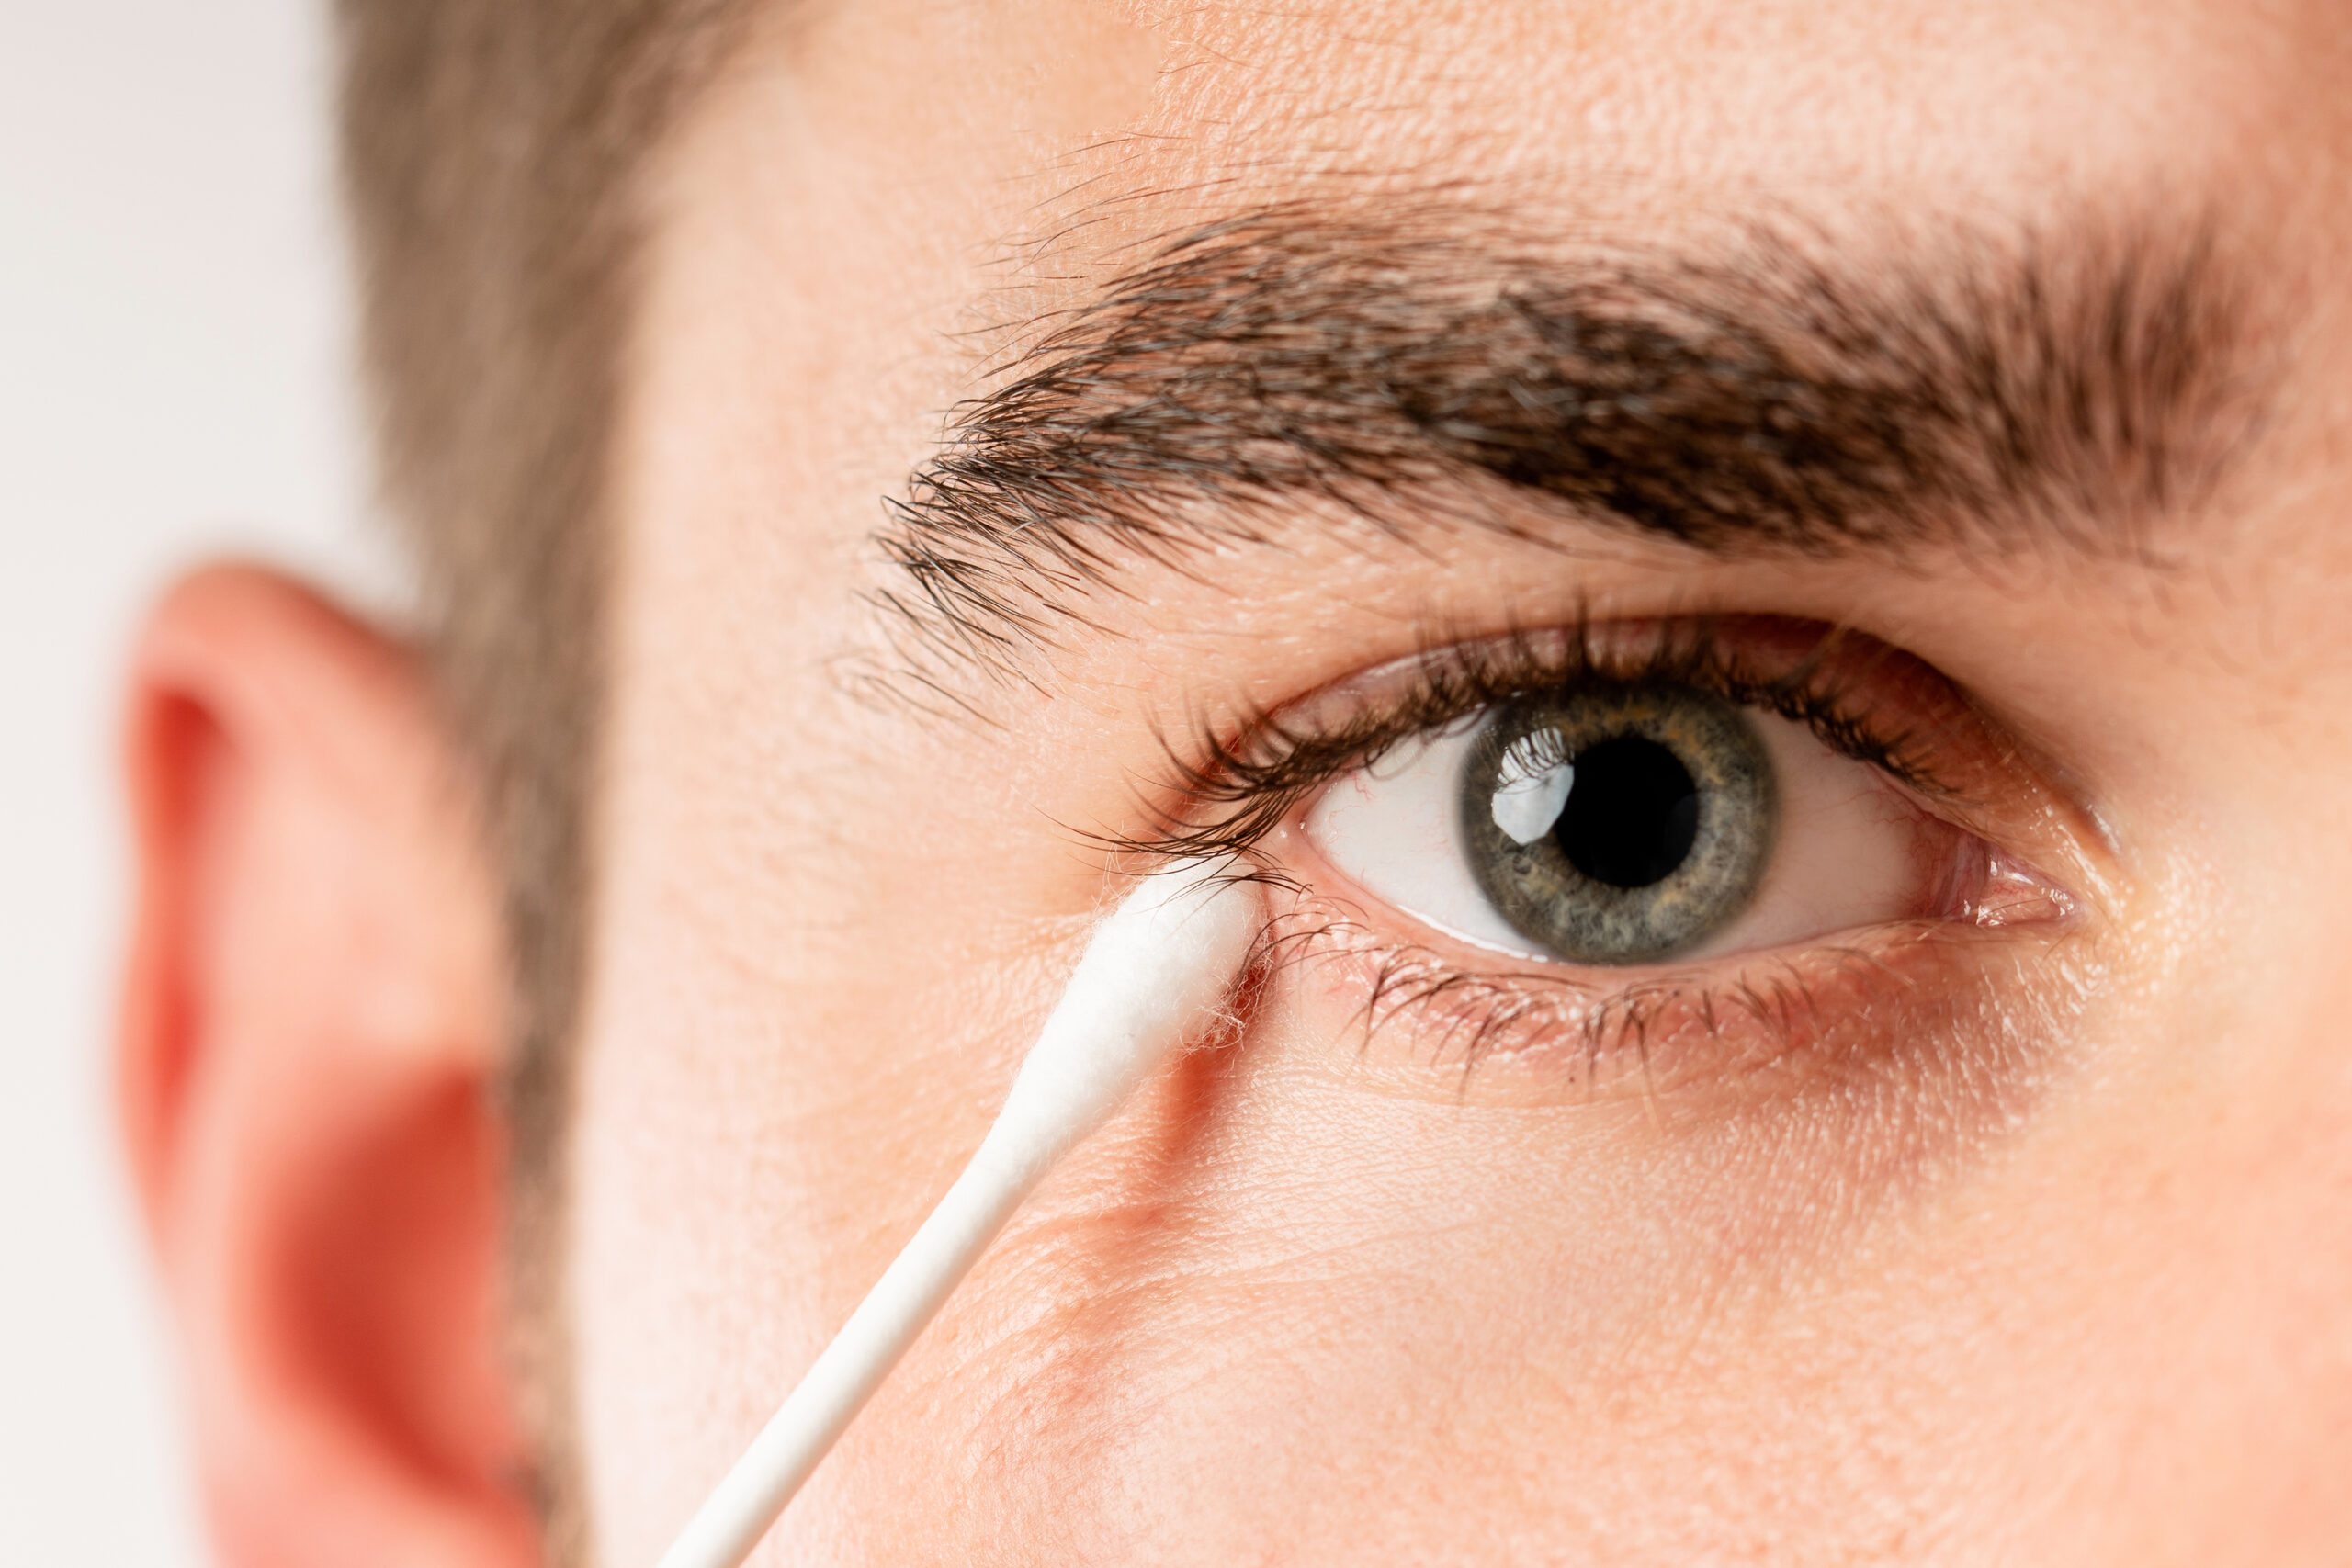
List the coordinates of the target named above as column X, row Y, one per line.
column 1531, row 786
column 1630, row 825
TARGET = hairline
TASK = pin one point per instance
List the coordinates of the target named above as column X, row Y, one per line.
column 492, row 158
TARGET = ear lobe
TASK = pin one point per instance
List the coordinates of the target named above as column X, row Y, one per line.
column 310, row 1021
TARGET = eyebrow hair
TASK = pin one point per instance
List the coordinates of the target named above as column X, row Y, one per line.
column 1773, row 394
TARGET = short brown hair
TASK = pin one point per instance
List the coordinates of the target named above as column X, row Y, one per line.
column 491, row 149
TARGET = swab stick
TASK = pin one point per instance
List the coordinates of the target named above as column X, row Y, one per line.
column 1154, row 969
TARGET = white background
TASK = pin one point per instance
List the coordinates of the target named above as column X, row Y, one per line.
column 173, row 384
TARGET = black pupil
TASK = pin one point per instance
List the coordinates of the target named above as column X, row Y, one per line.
column 1632, row 815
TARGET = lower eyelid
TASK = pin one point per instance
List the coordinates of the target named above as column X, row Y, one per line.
column 1428, row 1020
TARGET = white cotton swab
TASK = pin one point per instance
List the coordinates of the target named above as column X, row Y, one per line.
column 1160, row 962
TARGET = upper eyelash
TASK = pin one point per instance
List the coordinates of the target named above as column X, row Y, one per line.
column 1230, row 789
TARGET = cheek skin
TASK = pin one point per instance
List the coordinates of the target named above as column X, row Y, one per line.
column 1549, row 1302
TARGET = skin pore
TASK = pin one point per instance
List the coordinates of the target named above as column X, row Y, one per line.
column 1951, row 1241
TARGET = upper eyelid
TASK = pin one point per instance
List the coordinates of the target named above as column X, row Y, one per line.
column 1265, row 766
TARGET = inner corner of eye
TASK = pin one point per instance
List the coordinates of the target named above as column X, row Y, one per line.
column 1623, row 826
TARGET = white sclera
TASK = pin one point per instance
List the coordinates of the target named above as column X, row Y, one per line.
column 1849, row 851
column 1395, row 829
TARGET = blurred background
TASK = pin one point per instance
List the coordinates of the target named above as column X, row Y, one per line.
column 174, row 383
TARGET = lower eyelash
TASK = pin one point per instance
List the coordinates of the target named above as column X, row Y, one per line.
column 1781, row 1021
column 1471, row 1017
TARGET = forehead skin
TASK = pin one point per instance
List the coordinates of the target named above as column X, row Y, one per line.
column 1307, row 1303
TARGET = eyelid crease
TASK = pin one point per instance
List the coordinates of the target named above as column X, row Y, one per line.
column 1227, row 789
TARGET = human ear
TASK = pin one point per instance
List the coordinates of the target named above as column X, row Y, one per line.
column 310, row 1027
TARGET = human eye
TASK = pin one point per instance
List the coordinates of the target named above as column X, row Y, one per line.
column 1605, row 830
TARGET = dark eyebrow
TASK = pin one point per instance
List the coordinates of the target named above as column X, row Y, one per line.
column 1769, row 393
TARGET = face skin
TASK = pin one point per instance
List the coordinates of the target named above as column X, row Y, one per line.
column 1970, row 1241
